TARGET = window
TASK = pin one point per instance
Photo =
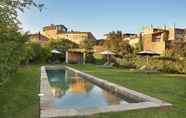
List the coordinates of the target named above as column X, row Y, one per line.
column 156, row 38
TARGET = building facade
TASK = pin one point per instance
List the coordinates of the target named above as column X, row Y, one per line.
column 156, row 39
column 38, row 38
column 53, row 32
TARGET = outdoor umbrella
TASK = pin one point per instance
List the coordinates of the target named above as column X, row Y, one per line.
column 148, row 54
column 56, row 54
column 108, row 54
column 54, row 51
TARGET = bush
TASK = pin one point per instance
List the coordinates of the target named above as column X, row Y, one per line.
column 36, row 53
column 61, row 45
column 174, row 67
column 11, row 50
column 99, row 59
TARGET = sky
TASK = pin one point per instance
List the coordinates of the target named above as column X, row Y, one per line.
column 103, row 16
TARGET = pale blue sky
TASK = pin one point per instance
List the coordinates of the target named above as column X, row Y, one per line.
column 102, row 16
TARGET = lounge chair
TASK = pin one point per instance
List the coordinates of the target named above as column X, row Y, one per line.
column 108, row 65
column 148, row 69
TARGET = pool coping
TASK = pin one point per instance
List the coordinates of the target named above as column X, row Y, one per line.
column 48, row 109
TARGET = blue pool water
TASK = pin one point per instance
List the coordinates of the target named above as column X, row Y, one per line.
column 71, row 90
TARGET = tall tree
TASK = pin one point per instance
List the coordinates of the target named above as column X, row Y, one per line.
column 9, row 10
column 87, row 44
column 62, row 45
column 11, row 40
column 112, row 40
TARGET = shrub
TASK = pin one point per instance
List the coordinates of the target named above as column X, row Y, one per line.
column 11, row 50
column 36, row 53
column 172, row 65
column 99, row 59
column 172, row 68
column 61, row 45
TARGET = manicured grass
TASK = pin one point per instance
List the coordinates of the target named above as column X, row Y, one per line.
column 168, row 87
column 18, row 97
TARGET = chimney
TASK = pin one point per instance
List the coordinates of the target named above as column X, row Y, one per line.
column 164, row 27
column 39, row 36
column 151, row 26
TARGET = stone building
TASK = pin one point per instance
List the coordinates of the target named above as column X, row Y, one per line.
column 38, row 38
column 156, row 39
column 53, row 32
column 133, row 39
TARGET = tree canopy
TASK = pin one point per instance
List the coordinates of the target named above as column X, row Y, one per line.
column 12, row 42
column 62, row 45
column 112, row 41
column 9, row 10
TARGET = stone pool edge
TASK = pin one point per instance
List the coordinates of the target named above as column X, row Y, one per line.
column 48, row 110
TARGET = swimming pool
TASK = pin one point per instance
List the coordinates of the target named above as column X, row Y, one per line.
column 65, row 91
column 71, row 90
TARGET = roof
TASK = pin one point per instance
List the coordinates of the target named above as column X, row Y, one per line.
column 179, row 29
column 77, row 32
column 39, row 36
column 52, row 26
column 131, row 38
column 130, row 34
column 159, row 32
column 148, row 52
column 79, row 50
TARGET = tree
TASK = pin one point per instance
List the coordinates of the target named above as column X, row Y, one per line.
column 112, row 41
column 62, row 45
column 36, row 53
column 125, row 48
column 179, row 47
column 9, row 10
column 87, row 44
column 12, row 42
column 11, row 51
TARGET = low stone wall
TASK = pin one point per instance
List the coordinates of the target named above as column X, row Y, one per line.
column 119, row 89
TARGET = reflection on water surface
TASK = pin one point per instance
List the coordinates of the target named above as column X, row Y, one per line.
column 70, row 90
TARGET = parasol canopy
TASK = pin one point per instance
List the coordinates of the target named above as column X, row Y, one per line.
column 148, row 53
column 55, row 51
column 107, row 53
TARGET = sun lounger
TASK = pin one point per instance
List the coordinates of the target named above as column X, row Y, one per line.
column 108, row 65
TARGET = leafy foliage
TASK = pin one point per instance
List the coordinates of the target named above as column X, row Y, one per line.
column 9, row 8
column 36, row 53
column 11, row 50
column 115, row 43
column 125, row 49
column 112, row 41
column 12, row 42
column 87, row 44
column 61, row 45
column 179, row 47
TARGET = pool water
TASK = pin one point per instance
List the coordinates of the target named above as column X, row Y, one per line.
column 71, row 90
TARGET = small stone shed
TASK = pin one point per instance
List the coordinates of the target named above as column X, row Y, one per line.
column 77, row 56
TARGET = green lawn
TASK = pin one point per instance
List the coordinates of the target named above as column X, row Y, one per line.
column 168, row 87
column 18, row 97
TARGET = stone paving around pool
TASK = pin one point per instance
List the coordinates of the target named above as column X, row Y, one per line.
column 48, row 109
